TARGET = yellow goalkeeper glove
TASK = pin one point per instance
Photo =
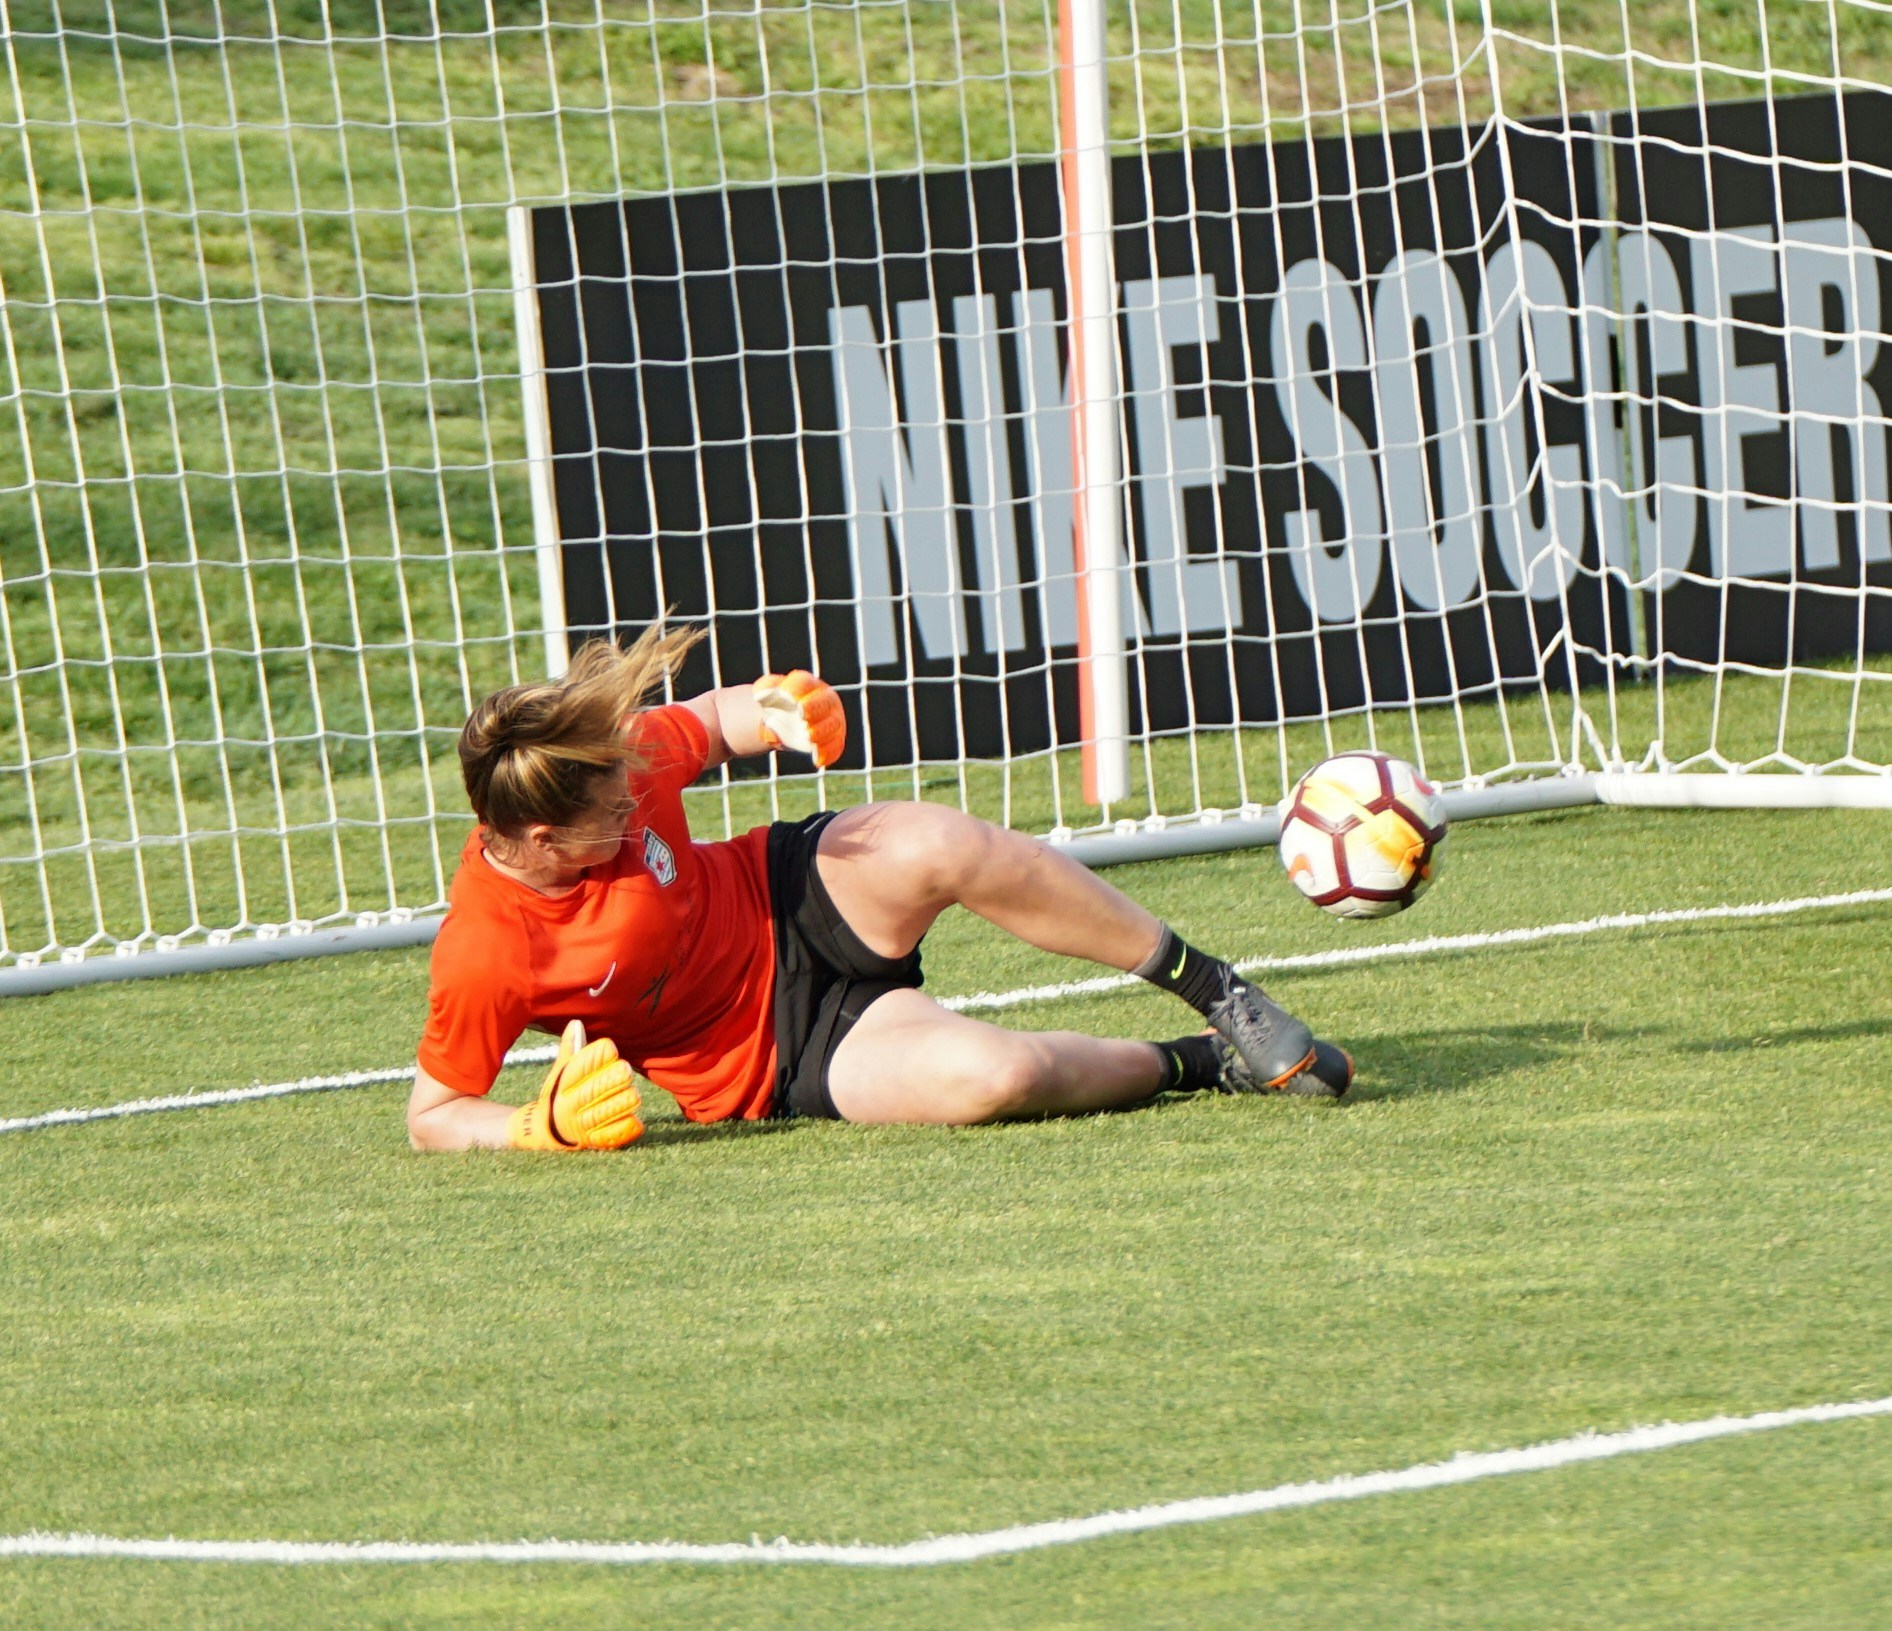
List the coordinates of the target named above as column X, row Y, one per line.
column 802, row 712
column 589, row 1100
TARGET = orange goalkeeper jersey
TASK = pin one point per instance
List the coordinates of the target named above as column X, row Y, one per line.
column 668, row 949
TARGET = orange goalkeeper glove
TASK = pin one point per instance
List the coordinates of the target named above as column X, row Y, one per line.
column 802, row 712
column 589, row 1100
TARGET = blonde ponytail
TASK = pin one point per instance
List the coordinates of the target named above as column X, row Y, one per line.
column 533, row 753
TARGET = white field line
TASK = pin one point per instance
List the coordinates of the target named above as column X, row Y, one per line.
column 205, row 1100
column 988, row 1001
column 964, row 1548
column 985, row 1001
column 209, row 1099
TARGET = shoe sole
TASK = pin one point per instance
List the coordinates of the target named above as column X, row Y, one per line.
column 1280, row 1083
column 1326, row 1074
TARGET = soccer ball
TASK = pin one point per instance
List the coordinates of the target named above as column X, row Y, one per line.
column 1360, row 834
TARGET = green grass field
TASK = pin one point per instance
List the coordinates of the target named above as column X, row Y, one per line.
column 264, row 535
column 1584, row 1184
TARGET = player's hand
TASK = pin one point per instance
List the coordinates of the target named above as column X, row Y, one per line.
column 589, row 1100
column 802, row 712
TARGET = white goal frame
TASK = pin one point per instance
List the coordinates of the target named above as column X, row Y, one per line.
column 1528, row 492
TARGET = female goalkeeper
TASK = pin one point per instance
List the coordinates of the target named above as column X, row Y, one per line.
column 775, row 974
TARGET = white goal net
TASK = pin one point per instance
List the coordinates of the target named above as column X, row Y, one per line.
column 1502, row 383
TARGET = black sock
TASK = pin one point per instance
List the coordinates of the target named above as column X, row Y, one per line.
column 1195, row 1062
column 1199, row 979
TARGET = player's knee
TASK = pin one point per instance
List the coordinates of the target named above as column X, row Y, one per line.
column 939, row 848
column 974, row 857
column 1011, row 1081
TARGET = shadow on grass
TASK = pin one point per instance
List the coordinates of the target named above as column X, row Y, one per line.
column 1840, row 1031
column 699, row 1132
column 1417, row 1063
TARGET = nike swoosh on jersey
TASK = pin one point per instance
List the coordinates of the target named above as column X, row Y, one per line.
column 598, row 989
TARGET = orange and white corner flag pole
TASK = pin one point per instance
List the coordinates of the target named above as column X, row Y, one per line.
column 1096, row 422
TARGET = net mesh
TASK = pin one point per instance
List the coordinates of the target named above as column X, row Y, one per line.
column 265, row 510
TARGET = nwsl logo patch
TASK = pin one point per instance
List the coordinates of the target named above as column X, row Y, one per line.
column 657, row 857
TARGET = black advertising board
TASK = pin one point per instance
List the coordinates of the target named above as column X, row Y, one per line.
column 829, row 419
column 1753, row 265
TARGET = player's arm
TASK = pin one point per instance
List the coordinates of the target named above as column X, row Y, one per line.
column 588, row 1101
column 440, row 1117
column 794, row 710
column 733, row 719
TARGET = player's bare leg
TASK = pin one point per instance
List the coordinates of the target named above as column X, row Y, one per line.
column 908, row 1060
column 891, row 869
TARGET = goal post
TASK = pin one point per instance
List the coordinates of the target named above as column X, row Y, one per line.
column 1091, row 349
column 537, row 436
column 1125, row 405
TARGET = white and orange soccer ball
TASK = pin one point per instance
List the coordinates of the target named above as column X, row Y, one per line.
column 1360, row 834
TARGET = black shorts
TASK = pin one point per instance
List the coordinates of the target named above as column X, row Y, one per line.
column 824, row 976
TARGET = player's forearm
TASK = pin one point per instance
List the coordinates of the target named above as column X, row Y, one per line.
column 461, row 1123
column 796, row 710
column 740, row 720
column 734, row 723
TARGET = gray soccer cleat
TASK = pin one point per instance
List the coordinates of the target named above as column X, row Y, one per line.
column 1327, row 1076
column 1272, row 1044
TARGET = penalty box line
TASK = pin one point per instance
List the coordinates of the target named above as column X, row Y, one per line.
column 1465, row 1468
column 992, row 1001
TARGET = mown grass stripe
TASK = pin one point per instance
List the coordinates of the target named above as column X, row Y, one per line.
column 1465, row 1468
column 988, row 1001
